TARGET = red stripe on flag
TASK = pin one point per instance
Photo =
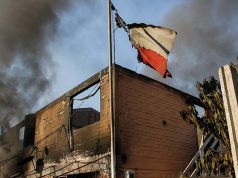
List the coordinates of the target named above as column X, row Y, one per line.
column 158, row 62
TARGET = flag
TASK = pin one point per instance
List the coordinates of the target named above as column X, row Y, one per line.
column 154, row 44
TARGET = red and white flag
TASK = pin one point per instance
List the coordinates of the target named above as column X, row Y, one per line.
column 154, row 44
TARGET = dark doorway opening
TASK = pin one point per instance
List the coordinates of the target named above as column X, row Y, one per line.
column 85, row 175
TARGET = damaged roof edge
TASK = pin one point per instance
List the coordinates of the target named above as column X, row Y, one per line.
column 96, row 78
column 189, row 98
column 78, row 89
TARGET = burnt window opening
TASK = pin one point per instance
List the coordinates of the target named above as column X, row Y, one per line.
column 1, row 130
column 1, row 134
column 29, row 133
column 21, row 133
column 85, row 108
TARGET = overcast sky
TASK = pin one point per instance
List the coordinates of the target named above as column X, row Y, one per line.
column 77, row 45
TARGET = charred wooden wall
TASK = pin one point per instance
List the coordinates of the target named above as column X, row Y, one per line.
column 151, row 137
column 51, row 135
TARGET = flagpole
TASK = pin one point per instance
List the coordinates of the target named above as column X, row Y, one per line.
column 112, row 120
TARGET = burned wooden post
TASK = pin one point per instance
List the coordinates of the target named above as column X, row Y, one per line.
column 228, row 75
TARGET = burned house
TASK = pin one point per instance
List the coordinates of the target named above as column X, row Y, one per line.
column 65, row 139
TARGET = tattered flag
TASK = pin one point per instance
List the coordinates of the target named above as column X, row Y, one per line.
column 154, row 44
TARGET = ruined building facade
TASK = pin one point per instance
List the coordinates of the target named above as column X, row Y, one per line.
column 66, row 140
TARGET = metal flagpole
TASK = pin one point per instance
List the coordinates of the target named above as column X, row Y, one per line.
column 112, row 120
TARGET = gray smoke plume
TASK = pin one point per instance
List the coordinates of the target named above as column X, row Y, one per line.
column 206, row 40
column 25, row 65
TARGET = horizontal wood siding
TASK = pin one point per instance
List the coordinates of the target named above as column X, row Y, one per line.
column 152, row 148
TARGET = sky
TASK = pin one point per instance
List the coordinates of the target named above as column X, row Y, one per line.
column 80, row 48
column 47, row 47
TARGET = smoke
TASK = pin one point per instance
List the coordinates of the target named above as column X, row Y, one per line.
column 206, row 40
column 25, row 64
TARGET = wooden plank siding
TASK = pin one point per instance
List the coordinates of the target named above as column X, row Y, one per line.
column 151, row 148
